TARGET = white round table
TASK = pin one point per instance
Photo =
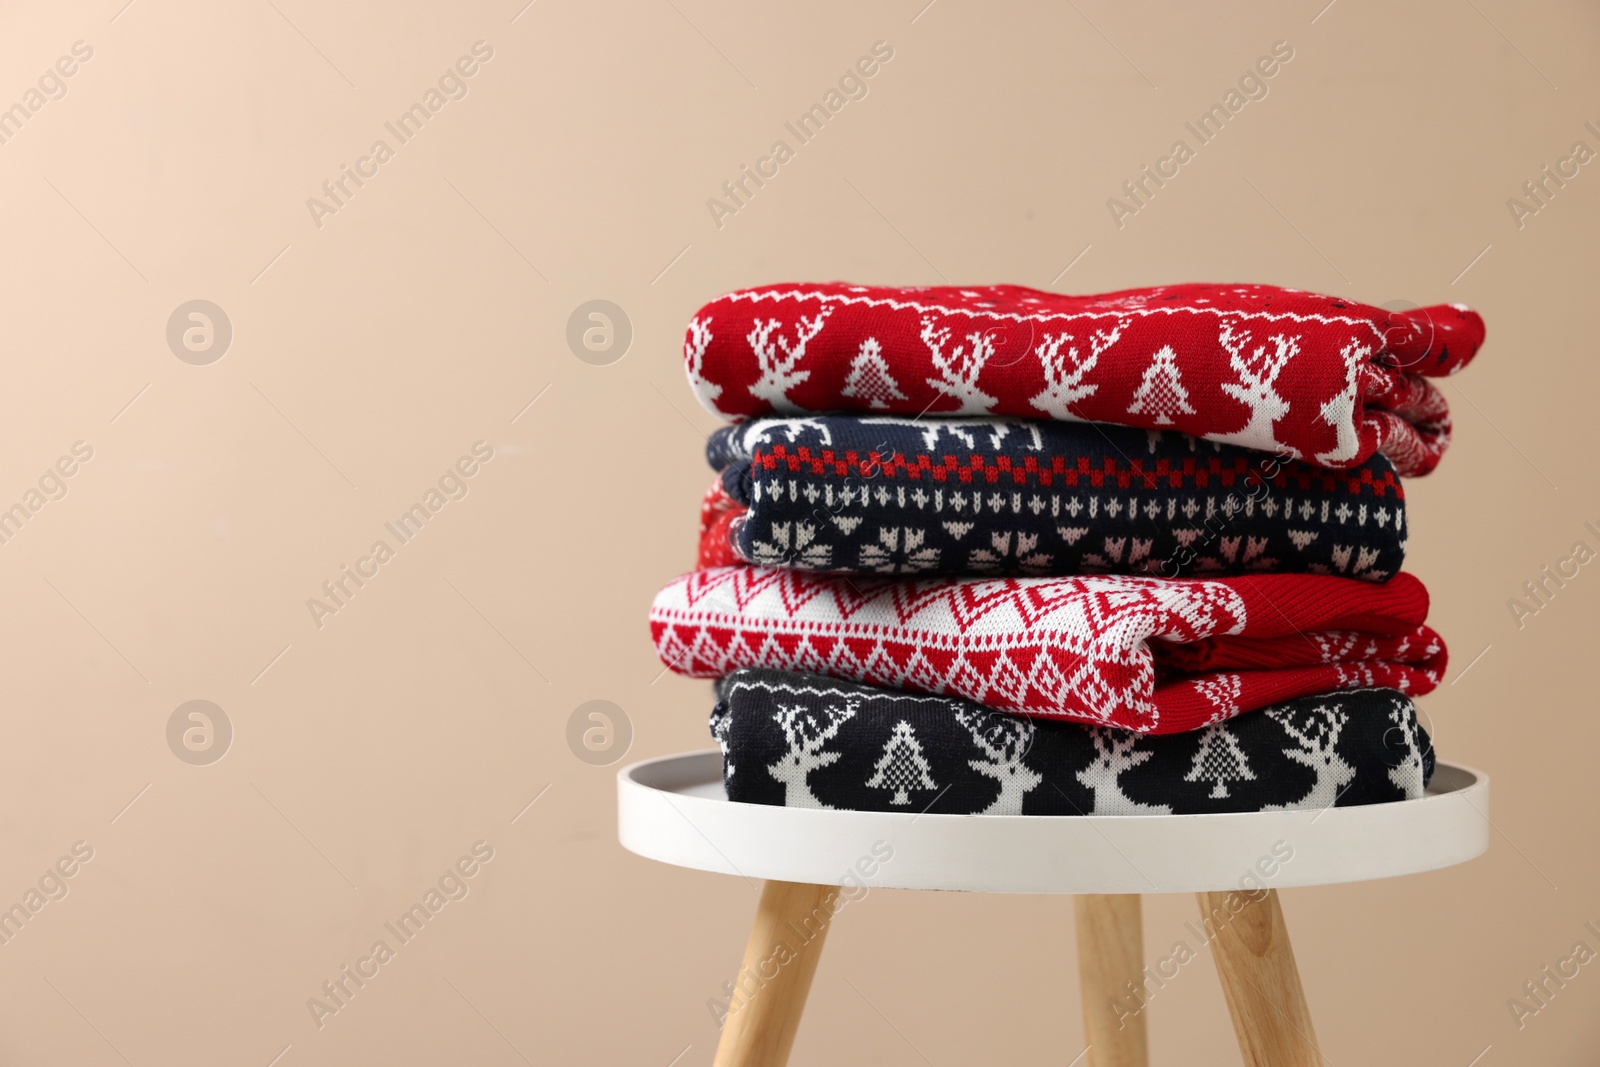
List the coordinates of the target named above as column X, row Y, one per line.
column 674, row 810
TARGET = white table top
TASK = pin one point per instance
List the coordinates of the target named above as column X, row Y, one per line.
column 673, row 809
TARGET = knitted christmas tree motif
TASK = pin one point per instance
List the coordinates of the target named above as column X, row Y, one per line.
column 869, row 378
column 1161, row 394
column 1219, row 760
column 902, row 767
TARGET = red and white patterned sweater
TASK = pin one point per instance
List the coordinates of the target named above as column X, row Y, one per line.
column 1150, row 655
column 1318, row 378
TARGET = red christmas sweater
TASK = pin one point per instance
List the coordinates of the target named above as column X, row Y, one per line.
column 1317, row 378
column 1151, row 655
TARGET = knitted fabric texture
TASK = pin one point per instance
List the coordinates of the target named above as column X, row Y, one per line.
column 801, row 740
column 1313, row 377
column 1152, row 655
column 885, row 495
column 718, row 513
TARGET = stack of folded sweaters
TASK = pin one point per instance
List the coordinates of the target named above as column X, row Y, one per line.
column 995, row 550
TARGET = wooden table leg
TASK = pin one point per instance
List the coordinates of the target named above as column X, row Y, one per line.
column 1256, row 964
column 1110, row 956
column 781, row 956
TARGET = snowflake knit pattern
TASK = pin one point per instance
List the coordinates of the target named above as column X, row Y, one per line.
column 804, row 741
column 1317, row 378
column 1151, row 655
column 890, row 495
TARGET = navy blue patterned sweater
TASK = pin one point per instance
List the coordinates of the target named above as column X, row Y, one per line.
column 805, row 741
column 888, row 495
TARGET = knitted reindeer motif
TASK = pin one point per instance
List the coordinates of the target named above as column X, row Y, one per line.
column 964, row 430
column 766, row 431
column 694, row 355
column 959, row 368
column 1339, row 411
column 1113, row 755
column 778, row 374
column 1257, row 385
column 1001, row 430
column 1005, row 740
column 805, row 737
column 1406, row 775
column 721, row 726
column 1063, row 374
column 959, row 429
column 1318, row 741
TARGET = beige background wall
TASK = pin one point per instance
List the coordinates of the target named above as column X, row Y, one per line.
column 371, row 352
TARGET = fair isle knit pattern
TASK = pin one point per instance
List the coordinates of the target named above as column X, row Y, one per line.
column 1312, row 377
column 886, row 495
column 1150, row 655
column 801, row 740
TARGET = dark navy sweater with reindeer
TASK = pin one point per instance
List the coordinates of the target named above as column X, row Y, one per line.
column 802, row 740
column 893, row 495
